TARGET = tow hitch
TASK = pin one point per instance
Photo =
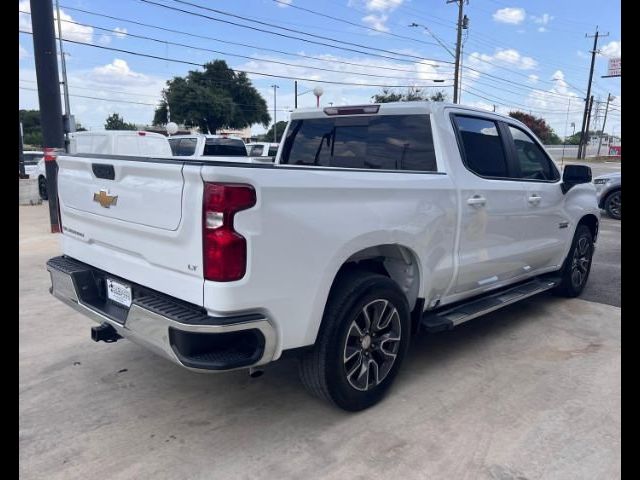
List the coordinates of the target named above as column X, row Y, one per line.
column 105, row 333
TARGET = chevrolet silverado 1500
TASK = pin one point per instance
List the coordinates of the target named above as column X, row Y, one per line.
column 374, row 222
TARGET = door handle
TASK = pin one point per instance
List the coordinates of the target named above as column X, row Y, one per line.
column 534, row 199
column 477, row 201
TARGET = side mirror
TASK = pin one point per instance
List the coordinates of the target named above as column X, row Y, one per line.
column 574, row 175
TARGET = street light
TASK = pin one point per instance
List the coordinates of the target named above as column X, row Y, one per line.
column 318, row 91
column 274, row 114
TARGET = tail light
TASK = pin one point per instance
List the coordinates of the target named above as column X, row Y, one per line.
column 51, row 154
column 224, row 250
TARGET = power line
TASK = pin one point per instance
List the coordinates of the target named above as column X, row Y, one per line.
column 167, row 42
column 341, row 20
column 203, row 37
column 293, row 30
column 186, row 62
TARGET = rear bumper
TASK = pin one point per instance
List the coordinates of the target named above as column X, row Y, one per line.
column 181, row 332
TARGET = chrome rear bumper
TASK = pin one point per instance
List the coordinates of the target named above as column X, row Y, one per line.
column 165, row 325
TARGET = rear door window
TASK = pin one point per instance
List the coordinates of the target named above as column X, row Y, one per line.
column 482, row 147
column 387, row 142
column 273, row 150
column 224, row 147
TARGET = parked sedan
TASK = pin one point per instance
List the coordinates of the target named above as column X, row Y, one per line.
column 609, row 188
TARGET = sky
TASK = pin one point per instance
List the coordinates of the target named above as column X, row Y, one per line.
column 531, row 56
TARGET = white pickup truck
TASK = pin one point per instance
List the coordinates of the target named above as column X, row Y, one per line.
column 375, row 222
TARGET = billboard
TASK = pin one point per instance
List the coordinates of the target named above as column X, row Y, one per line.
column 615, row 67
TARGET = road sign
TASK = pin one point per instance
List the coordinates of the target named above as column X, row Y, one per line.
column 615, row 68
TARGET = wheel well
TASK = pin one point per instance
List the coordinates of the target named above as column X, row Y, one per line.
column 590, row 221
column 397, row 262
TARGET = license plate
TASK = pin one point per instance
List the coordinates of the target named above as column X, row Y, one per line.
column 119, row 292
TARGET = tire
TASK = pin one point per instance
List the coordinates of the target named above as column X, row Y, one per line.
column 577, row 265
column 345, row 344
column 42, row 188
column 613, row 205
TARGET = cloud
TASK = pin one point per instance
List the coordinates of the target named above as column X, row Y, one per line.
column 544, row 19
column 581, row 54
column 376, row 21
column 118, row 73
column 612, row 49
column 70, row 31
column 104, row 39
column 534, row 78
column 542, row 29
column 505, row 57
column 121, row 32
column 510, row 15
column 23, row 52
column 377, row 5
column 284, row 3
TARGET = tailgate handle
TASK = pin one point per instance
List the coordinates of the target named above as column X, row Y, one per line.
column 103, row 170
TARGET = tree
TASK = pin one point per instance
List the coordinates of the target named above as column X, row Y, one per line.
column 80, row 128
column 411, row 95
column 212, row 99
column 116, row 122
column 538, row 126
column 31, row 130
column 268, row 137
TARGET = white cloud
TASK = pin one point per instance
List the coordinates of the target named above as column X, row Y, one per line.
column 612, row 49
column 510, row 15
column 70, row 31
column 534, row 78
column 284, row 3
column 542, row 20
column 376, row 21
column 506, row 57
column 120, row 32
column 377, row 5
column 23, row 53
column 104, row 39
column 542, row 29
column 118, row 73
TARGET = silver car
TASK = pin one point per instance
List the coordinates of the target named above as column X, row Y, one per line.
column 608, row 189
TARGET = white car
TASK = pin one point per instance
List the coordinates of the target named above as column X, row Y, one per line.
column 31, row 159
column 110, row 142
column 262, row 149
column 375, row 221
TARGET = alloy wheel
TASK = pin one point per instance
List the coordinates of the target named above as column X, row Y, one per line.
column 581, row 261
column 372, row 344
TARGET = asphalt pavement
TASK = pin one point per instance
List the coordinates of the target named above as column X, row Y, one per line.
column 531, row 391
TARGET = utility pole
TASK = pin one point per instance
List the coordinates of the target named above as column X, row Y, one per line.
column 65, row 85
column 586, row 136
column 275, row 123
column 295, row 93
column 604, row 122
column 581, row 146
column 44, row 51
column 458, row 47
column 21, row 173
column 565, row 133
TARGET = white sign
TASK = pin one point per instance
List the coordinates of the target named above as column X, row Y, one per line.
column 615, row 67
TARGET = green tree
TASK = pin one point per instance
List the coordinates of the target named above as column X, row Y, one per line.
column 411, row 95
column 212, row 99
column 116, row 122
column 268, row 137
column 31, row 130
column 538, row 126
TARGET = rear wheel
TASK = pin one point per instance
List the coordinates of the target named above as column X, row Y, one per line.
column 613, row 205
column 577, row 265
column 361, row 344
column 42, row 188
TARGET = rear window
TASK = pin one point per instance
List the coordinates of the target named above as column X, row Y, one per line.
column 224, row 147
column 184, row 147
column 31, row 158
column 389, row 142
column 256, row 150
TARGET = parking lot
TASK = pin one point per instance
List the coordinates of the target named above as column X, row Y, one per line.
column 528, row 392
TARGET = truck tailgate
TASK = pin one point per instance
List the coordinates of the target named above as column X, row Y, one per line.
column 137, row 218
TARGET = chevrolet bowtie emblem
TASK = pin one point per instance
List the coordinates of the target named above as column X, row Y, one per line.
column 104, row 199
